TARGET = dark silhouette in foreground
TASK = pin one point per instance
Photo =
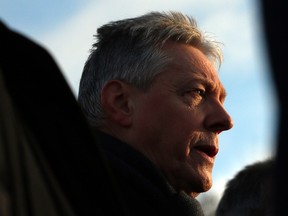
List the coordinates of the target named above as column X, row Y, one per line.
column 274, row 14
column 50, row 163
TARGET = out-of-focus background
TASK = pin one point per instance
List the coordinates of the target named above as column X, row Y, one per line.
column 66, row 28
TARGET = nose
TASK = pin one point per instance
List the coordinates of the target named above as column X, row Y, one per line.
column 218, row 119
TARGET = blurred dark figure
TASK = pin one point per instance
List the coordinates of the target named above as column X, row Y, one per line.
column 50, row 163
column 274, row 14
column 250, row 192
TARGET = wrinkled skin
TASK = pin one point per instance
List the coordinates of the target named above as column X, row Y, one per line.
column 176, row 122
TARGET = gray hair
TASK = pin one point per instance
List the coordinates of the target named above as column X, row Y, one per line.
column 130, row 50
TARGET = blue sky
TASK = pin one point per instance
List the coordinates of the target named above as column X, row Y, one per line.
column 66, row 28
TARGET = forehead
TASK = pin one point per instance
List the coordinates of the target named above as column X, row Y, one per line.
column 190, row 65
column 189, row 58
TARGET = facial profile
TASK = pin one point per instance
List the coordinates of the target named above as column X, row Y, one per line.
column 178, row 119
column 152, row 83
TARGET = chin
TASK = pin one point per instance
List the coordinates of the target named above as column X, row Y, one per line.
column 199, row 186
column 205, row 184
column 193, row 194
column 207, row 188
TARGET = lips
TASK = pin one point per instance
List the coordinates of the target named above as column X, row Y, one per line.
column 209, row 150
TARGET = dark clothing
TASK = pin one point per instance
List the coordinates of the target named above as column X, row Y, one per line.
column 49, row 161
column 143, row 188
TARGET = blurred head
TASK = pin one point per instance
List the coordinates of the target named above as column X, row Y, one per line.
column 152, row 82
column 250, row 192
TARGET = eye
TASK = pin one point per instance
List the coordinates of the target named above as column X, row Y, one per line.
column 194, row 96
column 195, row 93
column 200, row 92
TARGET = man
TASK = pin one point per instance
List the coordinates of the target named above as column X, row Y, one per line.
column 151, row 91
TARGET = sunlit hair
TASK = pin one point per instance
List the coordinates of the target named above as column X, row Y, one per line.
column 131, row 50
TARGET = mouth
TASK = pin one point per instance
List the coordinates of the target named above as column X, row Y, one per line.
column 209, row 150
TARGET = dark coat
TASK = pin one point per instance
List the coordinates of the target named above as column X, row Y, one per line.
column 141, row 185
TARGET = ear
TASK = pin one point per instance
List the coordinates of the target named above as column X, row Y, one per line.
column 115, row 99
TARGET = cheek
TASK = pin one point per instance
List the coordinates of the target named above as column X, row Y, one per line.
column 178, row 121
column 170, row 122
column 179, row 133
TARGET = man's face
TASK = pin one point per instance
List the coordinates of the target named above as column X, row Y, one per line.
column 177, row 121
